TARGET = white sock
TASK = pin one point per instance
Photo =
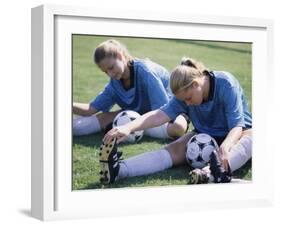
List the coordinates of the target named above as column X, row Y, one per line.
column 238, row 156
column 86, row 125
column 240, row 153
column 146, row 163
column 157, row 132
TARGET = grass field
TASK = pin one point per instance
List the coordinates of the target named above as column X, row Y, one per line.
column 88, row 81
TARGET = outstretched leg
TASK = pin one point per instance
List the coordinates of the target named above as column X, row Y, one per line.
column 147, row 163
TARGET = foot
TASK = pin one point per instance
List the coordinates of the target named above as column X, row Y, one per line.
column 217, row 170
column 109, row 162
column 198, row 176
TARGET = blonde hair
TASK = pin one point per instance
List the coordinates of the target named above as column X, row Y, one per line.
column 184, row 75
column 110, row 48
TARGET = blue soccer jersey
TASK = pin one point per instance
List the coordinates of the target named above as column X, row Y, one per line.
column 226, row 109
column 150, row 89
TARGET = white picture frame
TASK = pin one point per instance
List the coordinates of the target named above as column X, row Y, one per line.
column 52, row 196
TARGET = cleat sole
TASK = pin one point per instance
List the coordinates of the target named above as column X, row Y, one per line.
column 105, row 151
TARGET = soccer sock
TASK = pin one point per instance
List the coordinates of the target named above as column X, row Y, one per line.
column 158, row 132
column 86, row 125
column 240, row 153
column 146, row 163
column 238, row 156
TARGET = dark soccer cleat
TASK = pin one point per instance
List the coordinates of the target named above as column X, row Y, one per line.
column 198, row 176
column 217, row 170
column 109, row 162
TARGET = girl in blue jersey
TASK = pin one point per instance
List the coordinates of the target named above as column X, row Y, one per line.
column 135, row 84
column 215, row 104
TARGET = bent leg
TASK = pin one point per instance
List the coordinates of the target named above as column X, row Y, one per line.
column 169, row 130
column 86, row 125
column 178, row 128
column 238, row 155
column 158, row 132
column 92, row 124
column 106, row 118
column 241, row 152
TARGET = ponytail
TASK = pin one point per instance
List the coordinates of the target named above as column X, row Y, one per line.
column 183, row 75
column 194, row 64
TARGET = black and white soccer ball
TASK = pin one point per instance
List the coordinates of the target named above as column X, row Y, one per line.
column 125, row 117
column 199, row 149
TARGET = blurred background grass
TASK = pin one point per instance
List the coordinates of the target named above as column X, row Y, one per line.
column 88, row 81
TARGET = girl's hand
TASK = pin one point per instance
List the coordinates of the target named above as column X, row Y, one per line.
column 119, row 132
column 223, row 153
column 231, row 139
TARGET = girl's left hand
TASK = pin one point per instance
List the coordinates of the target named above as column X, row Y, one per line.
column 119, row 132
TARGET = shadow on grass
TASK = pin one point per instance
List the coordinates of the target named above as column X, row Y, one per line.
column 212, row 46
column 93, row 140
column 174, row 176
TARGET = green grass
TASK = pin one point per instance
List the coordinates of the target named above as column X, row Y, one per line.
column 88, row 81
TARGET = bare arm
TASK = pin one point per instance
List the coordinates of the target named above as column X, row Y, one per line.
column 231, row 139
column 83, row 109
column 149, row 120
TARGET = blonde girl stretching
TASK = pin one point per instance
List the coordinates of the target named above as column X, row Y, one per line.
column 214, row 102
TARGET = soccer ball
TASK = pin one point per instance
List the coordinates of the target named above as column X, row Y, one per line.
column 199, row 149
column 125, row 117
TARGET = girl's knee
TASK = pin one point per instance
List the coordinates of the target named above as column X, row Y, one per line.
column 247, row 132
column 106, row 118
column 177, row 149
column 178, row 127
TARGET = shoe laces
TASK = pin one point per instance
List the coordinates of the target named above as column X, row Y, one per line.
column 117, row 156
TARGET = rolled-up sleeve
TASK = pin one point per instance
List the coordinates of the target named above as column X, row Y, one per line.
column 173, row 108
